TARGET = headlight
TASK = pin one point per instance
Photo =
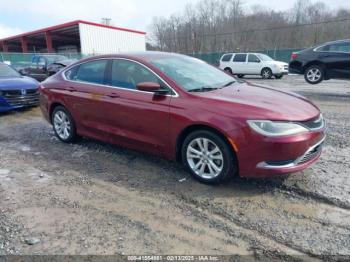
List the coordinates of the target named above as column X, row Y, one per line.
column 272, row 128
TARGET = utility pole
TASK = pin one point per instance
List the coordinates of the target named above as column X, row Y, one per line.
column 106, row 21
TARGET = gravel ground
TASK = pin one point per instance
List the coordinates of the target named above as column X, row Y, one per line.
column 95, row 198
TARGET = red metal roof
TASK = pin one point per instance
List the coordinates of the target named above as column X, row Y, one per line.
column 69, row 24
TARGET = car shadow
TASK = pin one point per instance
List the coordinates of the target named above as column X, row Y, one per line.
column 154, row 174
column 15, row 111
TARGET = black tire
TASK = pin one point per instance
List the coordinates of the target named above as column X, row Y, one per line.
column 266, row 73
column 278, row 76
column 228, row 71
column 319, row 74
column 72, row 134
column 228, row 163
column 240, row 76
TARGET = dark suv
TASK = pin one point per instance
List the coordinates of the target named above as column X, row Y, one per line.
column 326, row 61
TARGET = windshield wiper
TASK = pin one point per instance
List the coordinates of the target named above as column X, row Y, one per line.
column 229, row 83
column 202, row 89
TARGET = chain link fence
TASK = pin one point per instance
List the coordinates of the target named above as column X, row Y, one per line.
column 18, row 59
column 22, row 59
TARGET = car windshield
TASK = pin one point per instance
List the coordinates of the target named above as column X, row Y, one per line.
column 7, row 71
column 192, row 74
column 265, row 57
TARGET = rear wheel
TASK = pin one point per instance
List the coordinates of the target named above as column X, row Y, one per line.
column 228, row 70
column 63, row 125
column 314, row 74
column 208, row 157
column 266, row 73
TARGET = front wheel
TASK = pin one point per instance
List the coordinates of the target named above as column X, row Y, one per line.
column 63, row 125
column 208, row 157
column 266, row 73
column 314, row 74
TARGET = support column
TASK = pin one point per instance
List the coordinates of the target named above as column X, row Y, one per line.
column 49, row 42
column 24, row 44
column 5, row 47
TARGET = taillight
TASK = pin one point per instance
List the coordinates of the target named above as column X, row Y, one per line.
column 294, row 56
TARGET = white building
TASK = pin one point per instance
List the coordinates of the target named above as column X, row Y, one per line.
column 77, row 36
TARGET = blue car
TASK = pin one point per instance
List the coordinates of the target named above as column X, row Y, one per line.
column 16, row 91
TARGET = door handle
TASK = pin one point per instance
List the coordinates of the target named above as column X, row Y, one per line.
column 70, row 89
column 113, row 95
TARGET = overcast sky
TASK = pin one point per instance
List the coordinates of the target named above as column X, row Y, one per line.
column 17, row 16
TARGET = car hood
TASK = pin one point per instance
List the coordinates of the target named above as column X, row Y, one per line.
column 64, row 62
column 14, row 83
column 246, row 100
column 277, row 63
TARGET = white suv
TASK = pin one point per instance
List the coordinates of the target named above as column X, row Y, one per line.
column 241, row 64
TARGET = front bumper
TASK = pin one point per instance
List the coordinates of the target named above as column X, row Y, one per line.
column 14, row 99
column 281, row 72
column 260, row 157
column 311, row 154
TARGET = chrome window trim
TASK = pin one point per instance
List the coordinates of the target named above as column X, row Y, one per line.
column 63, row 74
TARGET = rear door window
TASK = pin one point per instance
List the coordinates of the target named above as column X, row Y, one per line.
column 92, row 72
column 240, row 58
column 226, row 58
column 340, row 47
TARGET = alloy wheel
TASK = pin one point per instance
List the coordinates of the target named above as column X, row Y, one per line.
column 266, row 73
column 205, row 158
column 314, row 74
column 62, row 125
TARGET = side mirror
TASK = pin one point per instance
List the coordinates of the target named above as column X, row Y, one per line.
column 151, row 87
column 257, row 61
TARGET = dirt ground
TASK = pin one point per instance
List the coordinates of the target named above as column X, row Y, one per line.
column 95, row 198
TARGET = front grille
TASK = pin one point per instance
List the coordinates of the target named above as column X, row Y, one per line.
column 19, row 92
column 17, row 98
column 280, row 163
column 314, row 124
column 310, row 154
column 285, row 67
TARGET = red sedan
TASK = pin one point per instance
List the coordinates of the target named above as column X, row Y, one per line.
column 182, row 108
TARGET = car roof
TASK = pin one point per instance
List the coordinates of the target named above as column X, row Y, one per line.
column 234, row 53
column 336, row 42
column 144, row 55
